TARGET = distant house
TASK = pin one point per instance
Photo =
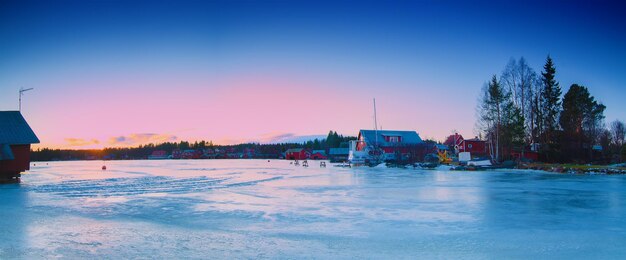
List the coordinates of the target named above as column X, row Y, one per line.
column 177, row 154
column 248, row 153
column 338, row 154
column 392, row 142
column 454, row 141
column 297, row 154
column 158, row 155
column 318, row 155
column 16, row 136
column 191, row 154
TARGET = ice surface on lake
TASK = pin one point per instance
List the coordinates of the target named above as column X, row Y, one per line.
column 259, row 209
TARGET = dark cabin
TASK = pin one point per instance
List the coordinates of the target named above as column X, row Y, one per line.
column 16, row 136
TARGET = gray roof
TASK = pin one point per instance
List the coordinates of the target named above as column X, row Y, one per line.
column 408, row 137
column 339, row 151
column 442, row 147
column 15, row 130
column 322, row 152
column 294, row 150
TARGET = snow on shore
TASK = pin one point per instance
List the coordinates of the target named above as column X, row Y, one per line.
column 259, row 209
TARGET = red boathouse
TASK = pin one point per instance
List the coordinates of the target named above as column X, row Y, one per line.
column 297, row 154
column 16, row 136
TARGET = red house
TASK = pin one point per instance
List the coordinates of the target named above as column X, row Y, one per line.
column 318, row 155
column 16, row 136
column 475, row 146
column 297, row 154
column 158, row 155
column 454, row 141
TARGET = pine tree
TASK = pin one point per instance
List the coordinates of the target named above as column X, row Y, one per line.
column 580, row 120
column 550, row 108
column 515, row 128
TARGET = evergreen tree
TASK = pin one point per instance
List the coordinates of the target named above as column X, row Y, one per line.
column 550, row 107
column 580, row 120
column 337, row 139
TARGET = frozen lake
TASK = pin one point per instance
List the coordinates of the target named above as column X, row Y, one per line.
column 259, row 209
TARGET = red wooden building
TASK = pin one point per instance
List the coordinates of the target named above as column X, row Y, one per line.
column 16, row 136
column 318, row 155
column 297, row 154
column 475, row 146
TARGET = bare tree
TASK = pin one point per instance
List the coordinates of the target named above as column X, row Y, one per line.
column 491, row 110
column 618, row 132
column 523, row 84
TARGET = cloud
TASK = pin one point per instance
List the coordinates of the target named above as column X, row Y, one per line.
column 141, row 138
column 276, row 137
column 80, row 142
column 273, row 138
column 270, row 138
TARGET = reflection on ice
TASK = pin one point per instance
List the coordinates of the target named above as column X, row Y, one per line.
column 260, row 209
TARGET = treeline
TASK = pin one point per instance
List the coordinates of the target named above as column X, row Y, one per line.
column 522, row 111
column 332, row 140
column 143, row 151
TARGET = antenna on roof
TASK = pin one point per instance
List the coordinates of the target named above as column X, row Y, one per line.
column 375, row 123
column 22, row 90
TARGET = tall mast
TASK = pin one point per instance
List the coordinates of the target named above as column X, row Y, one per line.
column 375, row 123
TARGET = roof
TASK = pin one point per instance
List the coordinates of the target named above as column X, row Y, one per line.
column 451, row 138
column 322, row 152
column 15, row 130
column 339, row 151
column 442, row 147
column 408, row 137
column 294, row 150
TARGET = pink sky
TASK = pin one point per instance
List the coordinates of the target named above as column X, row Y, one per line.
column 128, row 111
column 113, row 73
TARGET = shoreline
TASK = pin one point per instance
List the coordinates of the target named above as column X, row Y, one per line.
column 575, row 168
column 615, row 169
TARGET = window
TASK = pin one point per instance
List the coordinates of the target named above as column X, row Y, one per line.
column 394, row 139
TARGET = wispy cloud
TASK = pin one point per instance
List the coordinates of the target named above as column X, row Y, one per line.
column 141, row 138
column 276, row 137
column 80, row 142
column 272, row 138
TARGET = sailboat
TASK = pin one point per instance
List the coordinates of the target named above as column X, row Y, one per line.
column 362, row 153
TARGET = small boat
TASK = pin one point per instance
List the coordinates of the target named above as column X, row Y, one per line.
column 479, row 162
column 343, row 165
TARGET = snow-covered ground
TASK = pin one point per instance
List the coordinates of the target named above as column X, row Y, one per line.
column 259, row 209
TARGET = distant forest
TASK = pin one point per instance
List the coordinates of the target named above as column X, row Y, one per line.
column 255, row 150
column 523, row 111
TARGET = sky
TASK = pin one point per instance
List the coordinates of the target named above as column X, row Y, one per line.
column 124, row 73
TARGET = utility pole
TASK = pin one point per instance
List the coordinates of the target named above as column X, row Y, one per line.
column 22, row 90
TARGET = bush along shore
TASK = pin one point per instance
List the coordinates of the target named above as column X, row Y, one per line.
column 575, row 168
